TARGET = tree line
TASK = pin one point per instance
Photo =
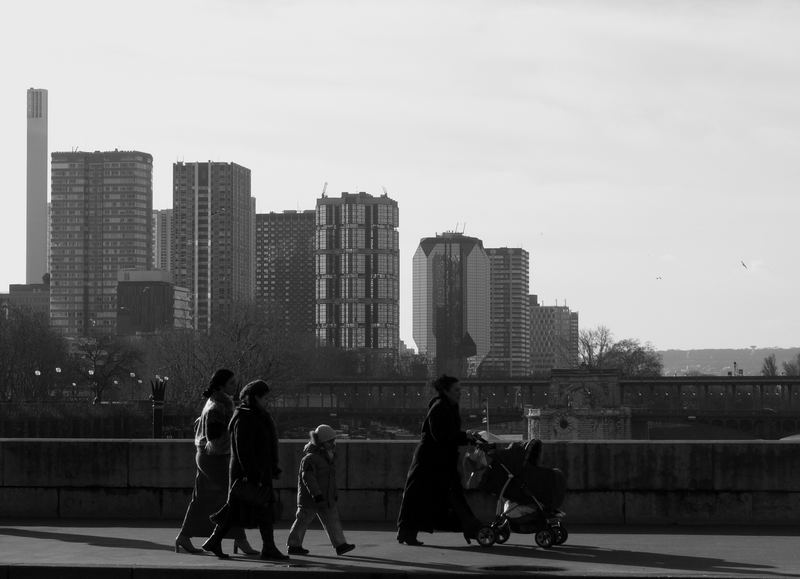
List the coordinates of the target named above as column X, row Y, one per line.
column 770, row 367
column 36, row 363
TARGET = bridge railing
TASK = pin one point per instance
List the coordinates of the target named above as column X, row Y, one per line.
column 707, row 394
column 713, row 394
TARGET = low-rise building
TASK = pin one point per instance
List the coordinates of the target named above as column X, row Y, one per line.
column 148, row 302
column 554, row 337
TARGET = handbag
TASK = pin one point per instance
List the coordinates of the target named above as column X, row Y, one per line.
column 247, row 492
column 474, row 466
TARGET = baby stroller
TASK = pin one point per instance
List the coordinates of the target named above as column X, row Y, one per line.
column 528, row 495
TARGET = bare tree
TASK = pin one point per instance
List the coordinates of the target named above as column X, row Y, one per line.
column 770, row 366
column 250, row 341
column 30, row 353
column 792, row 367
column 632, row 358
column 598, row 350
column 593, row 347
column 103, row 358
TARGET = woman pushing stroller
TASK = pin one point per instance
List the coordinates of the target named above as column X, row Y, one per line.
column 433, row 486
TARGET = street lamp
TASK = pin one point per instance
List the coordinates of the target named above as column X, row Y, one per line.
column 93, row 387
column 158, row 387
column 133, row 383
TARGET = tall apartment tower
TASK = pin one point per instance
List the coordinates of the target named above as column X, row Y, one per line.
column 510, row 352
column 357, row 273
column 285, row 272
column 162, row 239
column 36, row 264
column 452, row 302
column 554, row 337
column 49, row 242
column 101, row 223
column 212, row 238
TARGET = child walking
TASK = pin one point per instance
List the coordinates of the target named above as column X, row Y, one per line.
column 317, row 493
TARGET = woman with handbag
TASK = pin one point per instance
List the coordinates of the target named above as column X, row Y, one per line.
column 213, row 459
column 254, row 464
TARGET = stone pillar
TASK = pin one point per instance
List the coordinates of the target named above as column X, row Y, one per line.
column 534, row 418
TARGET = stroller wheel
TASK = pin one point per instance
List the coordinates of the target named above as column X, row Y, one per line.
column 486, row 536
column 560, row 535
column 544, row 539
column 503, row 534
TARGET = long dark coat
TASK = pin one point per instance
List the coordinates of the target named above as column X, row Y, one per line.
column 254, row 456
column 433, row 481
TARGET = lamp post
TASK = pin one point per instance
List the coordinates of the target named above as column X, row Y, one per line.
column 58, row 381
column 158, row 387
column 133, row 383
column 96, row 398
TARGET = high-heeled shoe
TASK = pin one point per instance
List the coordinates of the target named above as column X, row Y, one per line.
column 410, row 540
column 185, row 543
column 243, row 546
column 215, row 547
column 471, row 534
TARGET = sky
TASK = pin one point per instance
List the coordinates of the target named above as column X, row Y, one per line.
column 619, row 142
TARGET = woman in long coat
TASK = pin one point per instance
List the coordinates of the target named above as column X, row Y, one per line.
column 213, row 443
column 254, row 458
column 433, row 487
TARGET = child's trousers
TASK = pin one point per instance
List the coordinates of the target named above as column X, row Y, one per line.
column 328, row 516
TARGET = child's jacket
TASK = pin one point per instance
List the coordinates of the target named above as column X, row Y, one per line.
column 317, row 477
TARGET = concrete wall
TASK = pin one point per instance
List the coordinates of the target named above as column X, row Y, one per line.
column 625, row 482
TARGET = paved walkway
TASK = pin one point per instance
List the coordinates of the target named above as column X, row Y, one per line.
column 139, row 551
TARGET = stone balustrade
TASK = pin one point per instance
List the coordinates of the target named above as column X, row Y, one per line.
column 609, row 482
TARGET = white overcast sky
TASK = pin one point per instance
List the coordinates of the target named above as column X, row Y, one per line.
column 616, row 141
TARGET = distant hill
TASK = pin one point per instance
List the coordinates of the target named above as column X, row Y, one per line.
column 720, row 362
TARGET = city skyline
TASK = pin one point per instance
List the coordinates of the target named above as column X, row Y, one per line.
column 658, row 146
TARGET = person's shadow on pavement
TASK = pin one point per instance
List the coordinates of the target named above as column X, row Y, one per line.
column 94, row 540
column 622, row 557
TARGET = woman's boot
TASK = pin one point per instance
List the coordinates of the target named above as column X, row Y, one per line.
column 408, row 537
column 269, row 552
column 214, row 542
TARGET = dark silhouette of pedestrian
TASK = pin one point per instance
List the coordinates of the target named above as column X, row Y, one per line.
column 213, row 457
column 317, row 493
column 254, row 464
column 433, row 497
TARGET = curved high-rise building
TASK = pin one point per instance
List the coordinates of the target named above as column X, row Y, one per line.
column 451, row 302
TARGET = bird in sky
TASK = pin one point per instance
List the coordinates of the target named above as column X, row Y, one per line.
column 744, row 265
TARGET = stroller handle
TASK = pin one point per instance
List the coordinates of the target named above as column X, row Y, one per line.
column 481, row 442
